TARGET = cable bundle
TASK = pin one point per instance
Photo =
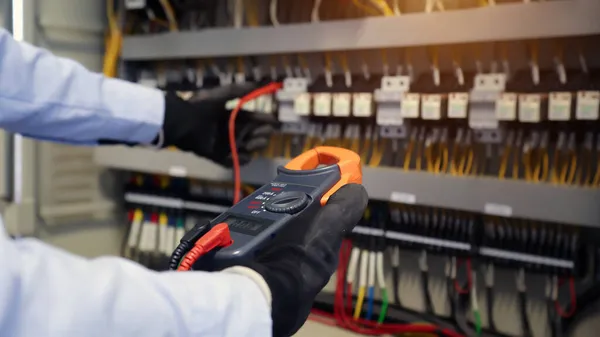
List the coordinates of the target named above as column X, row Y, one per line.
column 343, row 307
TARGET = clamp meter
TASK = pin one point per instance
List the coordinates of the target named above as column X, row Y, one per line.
column 291, row 199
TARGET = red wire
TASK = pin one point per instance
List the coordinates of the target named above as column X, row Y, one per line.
column 457, row 286
column 364, row 326
column 218, row 236
column 573, row 301
column 237, row 182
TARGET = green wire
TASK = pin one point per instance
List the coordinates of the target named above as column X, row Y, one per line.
column 183, row 257
column 384, row 306
column 477, row 317
column 180, row 224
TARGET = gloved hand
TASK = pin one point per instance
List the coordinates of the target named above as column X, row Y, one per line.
column 200, row 125
column 296, row 270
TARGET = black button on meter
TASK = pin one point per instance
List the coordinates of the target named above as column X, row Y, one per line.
column 287, row 202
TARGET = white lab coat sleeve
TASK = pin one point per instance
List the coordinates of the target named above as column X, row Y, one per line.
column 48, row 97
column 47, row 292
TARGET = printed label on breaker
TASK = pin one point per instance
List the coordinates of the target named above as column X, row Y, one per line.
column 530, row 108
column 362, row 104
column 177, row 171
column 457, row 104
column 341, row 104
column 302, row 104
column 410, row 105
column 403, row 198
column 559, row 106
column 497, row 209
column 506, row 107
column 588, row 105
column 135, row 4
column 322, row 104
column 431, row 107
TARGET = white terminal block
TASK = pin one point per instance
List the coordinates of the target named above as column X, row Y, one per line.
column 362, row 104
column 431, row 106
column 410, row 106
column 588, row 105
column 530, row 109
column 342, row 103
column 302, row 104
column 559, row 106
column 506, row 107
column 322, row 104
column 458, row 104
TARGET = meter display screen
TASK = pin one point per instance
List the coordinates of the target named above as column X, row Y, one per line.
column 246, row 226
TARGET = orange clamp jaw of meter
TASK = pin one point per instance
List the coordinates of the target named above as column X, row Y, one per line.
column 347, row 161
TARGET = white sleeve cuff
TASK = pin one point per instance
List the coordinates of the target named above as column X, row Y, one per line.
column 254, row 276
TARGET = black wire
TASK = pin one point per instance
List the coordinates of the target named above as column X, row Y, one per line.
column 396, row 280
column 460, row 303
column 450, row 293
column 552, row 318
column 588, row 304
column 426, row 293
column 524, row 316
column 490, row 307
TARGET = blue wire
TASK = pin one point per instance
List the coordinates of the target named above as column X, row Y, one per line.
column 370, row 298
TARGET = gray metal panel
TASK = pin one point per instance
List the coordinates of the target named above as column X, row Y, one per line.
column 175, row 163
column 524, row 200
column 502, row 22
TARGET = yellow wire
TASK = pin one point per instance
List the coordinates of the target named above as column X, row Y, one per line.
column 429, row 157
column 444, row 159
column 408, row 154
column 378, row 150
column 418, row 160
column 435, row 56
column 587, row 163
column 367, row 9
column 114, row 40
column 596, row 180
column 555, row 175
column 252, row 14
column 527, row 164
column 287, row 150
column 516, row 166
column 545, row 166
column 359, row 302
column 383, row 6
column 468, row 165
column 170, row 13
column 343, row 62
column 454, row 163
column 328, row 62
column 572, row 168
column 302, row 61
column 364, row 153
column 504, row 162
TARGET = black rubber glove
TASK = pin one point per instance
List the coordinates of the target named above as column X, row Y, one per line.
column 297, row 270
column 200, row 125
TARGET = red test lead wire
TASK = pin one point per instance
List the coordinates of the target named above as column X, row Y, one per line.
column 364, row 326
column 237, row 181
column 218, row 236
column 572, row 301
